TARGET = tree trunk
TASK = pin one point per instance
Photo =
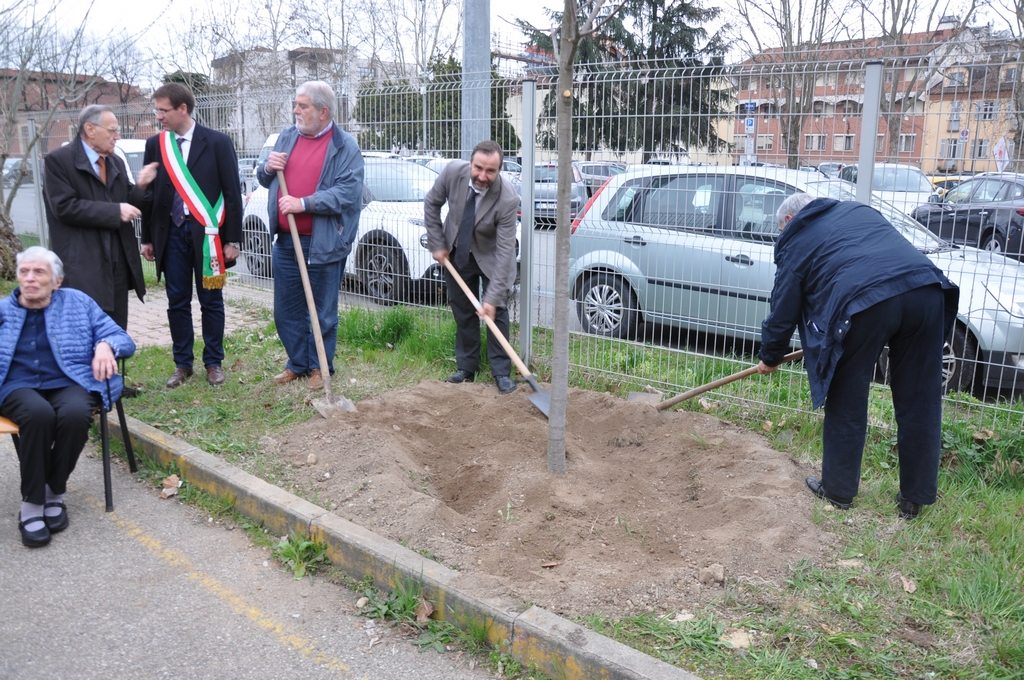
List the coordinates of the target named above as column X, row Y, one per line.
column 10, row 245
column 560, row 348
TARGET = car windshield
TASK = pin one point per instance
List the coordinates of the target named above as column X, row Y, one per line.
column 398, row 180
column 545, row 173
column 900, row 179
column 913, row 230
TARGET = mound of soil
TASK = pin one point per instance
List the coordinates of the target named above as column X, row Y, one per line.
column 650, row 501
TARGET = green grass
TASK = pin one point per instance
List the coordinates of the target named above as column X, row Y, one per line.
column 964, row 555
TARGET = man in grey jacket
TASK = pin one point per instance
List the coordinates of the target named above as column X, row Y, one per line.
column 323, row 169
column 479, row 234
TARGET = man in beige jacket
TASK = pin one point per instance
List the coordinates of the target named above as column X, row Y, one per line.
column 479, row 236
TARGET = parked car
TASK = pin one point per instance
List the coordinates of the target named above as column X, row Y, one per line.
column 596, row 173
column 246, row 172
column 510, row 169
column 986, row 211
column 389, row 258
column 12, row 167
column 545, row 189
column 830, row 168
column 904, row 186
column 132, row 151
column 437, row 165
column 420, row 160
column 381, row 154
column 943, row 183
column 693, row 248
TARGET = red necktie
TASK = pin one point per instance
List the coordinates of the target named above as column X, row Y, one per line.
column 102, row 162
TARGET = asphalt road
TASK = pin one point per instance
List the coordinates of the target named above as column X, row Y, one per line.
column 155, row 589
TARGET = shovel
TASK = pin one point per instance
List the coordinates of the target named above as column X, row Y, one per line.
column 648, row 396
column 540, row 398
column 330, row 404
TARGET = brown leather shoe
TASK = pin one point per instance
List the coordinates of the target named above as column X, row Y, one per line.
column 286, row 376
column 215, row 375
column 179, row 377
column 316, row 380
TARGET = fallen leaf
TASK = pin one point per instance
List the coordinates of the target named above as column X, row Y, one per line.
column 766, row 426
column 170, row 481
column 983, row 435
column 167, row 493
column 829, row 629
column 850, row 564
column 362, row 602
column 423, row 611
column 738, row 639
column 549, row 565
column 908, row 584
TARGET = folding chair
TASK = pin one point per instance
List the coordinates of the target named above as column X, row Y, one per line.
column 9, row 427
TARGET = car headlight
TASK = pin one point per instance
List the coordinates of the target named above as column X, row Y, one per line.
column 423, row 240
column 1004, row 293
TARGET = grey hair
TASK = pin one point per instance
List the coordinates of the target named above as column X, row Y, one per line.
column 320, row 93
column 791, row 206
column 92, row 114
column 36, row 253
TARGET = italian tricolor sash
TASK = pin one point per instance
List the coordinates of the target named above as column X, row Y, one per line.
column 211, row 217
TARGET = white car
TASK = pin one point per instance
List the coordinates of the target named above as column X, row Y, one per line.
column 903, row 186
column 389, row 258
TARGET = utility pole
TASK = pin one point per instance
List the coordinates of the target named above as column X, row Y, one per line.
column 476, row 74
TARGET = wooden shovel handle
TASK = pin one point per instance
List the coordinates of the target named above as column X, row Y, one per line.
column 512, row 354
column 318, row 338
column 669, row 403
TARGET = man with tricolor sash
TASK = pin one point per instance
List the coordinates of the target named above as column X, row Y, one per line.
column 191, row 226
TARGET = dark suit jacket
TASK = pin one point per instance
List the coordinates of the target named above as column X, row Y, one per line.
column 84, row 217
column 214, row 166
column 494, row 232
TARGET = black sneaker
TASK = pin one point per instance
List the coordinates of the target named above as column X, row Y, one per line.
column 816, row 487
column 461, row 376
column 906, row 509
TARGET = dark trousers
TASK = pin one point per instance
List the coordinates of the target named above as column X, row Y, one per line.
column 291, row 313
column 911, row 324
column 54, row 426
column 467, row 335
column 182, row 267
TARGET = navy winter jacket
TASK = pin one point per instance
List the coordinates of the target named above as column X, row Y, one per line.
column 835, row 259
column 75, row 324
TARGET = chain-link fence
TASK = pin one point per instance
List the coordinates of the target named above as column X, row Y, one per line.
column 677, row 176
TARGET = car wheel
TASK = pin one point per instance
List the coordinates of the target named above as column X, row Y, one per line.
column 994, row 242
column 959, row 362
column 258, row 251
column 383, row 272
column 607, row 306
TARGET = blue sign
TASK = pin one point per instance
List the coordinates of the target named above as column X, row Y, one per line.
column 749, row 125
column 749, row 106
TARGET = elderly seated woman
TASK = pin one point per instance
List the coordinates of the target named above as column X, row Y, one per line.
column 57, row 347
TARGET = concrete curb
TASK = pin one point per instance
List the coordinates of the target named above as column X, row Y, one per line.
column 559, row 648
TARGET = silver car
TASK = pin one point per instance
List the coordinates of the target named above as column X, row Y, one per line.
column 545, row 190
column 693, row 248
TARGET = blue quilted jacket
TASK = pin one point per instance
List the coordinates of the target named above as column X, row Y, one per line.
column 75, row 325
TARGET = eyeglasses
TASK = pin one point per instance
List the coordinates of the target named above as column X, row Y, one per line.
column 116, row 130
column 162, row 111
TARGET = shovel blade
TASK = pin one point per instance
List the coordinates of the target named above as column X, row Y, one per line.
column 540, row 398
column 328, row 407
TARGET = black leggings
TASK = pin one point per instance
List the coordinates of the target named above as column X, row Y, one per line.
column 54, row 426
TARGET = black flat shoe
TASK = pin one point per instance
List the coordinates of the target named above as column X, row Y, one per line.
column 906, row 509
column 814, row 484
column 461, row 376
column 33, row 539
column 57, row 522
column 505, row 384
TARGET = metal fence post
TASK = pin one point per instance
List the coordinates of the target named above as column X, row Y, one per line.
column 869, row 130
column 37, row 185
column 476, row 75
column 526, row 221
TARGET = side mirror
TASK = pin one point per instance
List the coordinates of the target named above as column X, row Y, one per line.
column 935, row 198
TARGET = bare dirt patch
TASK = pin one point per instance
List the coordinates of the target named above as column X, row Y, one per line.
column 650, row 499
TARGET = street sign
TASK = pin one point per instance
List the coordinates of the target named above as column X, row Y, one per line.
column 748, row 146
column 964, row 134
column 749, row 125
column 749, row 106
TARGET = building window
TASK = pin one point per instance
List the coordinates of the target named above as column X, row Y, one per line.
column 987, row 110
column 842, row 142
column 889, row 76
column 957, row 78
column 979, row 148
column 954, row 116
column 907, row 143
column 880, row 143
column 765, row 142
column 814, row 142
column 1010, row 74
column 951, row 147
